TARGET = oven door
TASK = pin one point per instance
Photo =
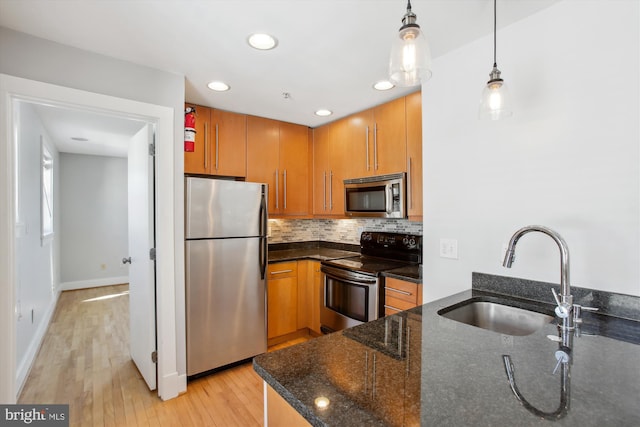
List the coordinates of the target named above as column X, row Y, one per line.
column 349, row 299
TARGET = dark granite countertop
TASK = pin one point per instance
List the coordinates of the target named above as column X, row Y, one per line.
column 410, row 273
column 419, row 368
column 318, row 251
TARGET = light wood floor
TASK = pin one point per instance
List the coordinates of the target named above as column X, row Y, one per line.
column 84, row 361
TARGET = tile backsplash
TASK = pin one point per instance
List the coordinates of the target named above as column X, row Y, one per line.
column 335, row 230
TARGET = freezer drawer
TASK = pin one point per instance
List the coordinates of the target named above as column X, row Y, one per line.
column 226, row 299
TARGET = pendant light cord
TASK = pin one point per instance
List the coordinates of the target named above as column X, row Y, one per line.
column 495, row 63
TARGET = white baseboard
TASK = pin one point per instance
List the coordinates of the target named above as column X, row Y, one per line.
column 24, row 365
column 172, row 385
column 93, row 283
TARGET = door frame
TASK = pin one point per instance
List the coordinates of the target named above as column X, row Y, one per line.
column 170, row 381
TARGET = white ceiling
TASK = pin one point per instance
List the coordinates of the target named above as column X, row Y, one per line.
column 106, row 135
column 330, row 52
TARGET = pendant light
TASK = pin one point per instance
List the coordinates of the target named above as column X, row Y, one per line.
column 410, row 59
column 495, row 103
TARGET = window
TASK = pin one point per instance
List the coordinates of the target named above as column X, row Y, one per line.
column 46, row 194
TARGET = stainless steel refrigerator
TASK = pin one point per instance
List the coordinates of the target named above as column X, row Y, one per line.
column 226, row 260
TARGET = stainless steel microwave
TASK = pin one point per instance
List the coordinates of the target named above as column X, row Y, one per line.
column 382, row 196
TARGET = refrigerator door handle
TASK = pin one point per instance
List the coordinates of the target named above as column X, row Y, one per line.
column 263, row 234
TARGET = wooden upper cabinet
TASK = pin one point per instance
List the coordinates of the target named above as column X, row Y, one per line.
column 414, row 155
column 375, row 140
column 294, row 169
column 354, row 138
column 228, row 143
column 389, row 138
column 263, row 142
column 197, row 161
column 221, row 143
column 329, row 170
column 278, row 155
column 320, row 170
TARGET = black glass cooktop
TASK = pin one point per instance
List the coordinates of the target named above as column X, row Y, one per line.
column 365, row 264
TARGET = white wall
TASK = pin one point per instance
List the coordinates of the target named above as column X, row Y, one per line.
column 38, row 273
column 93, row 231
column 568, row 159
column 40, row 60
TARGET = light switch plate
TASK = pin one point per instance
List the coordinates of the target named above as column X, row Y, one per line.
column 449, row 248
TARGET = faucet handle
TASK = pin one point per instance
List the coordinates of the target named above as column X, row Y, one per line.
column 577, row 312
column 562, row 310
column 563, row 357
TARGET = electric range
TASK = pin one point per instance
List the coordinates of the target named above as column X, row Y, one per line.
column 353, row 288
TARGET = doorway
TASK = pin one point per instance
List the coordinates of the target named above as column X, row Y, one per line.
column 14, row 89
column 99, row 210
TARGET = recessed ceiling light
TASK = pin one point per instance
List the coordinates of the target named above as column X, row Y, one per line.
column 383, row 85
column 80, row 139
column 262, row 41
column 218, row 86
column 323, row 112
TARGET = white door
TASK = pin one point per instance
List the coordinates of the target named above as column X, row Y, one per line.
column 142, row 292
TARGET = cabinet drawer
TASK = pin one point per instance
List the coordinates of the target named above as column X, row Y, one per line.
column 401, row 290
column 395, row 304
column 282, row 269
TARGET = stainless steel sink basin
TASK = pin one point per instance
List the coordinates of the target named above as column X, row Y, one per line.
column 496, row 317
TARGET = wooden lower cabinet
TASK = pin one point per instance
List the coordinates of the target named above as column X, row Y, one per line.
column 309, row 295
column 400, row 295
column 282, row 298
column 279, row 412
column 317, row 299
column 294, row 292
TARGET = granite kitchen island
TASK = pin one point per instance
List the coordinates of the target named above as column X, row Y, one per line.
column 420, row 368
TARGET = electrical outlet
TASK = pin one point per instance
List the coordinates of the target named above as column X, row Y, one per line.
column 449, row 248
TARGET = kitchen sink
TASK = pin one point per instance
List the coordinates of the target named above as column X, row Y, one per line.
column 497, row 317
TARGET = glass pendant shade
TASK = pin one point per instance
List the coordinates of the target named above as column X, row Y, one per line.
column 495, row 103
column 410, row 59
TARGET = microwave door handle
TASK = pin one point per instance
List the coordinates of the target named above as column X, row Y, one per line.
column 389, row 200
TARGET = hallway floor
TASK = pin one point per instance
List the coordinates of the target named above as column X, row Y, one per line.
column 84, row 361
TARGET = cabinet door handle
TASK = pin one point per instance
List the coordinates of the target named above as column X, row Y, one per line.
column 390, row 307
column 280, row 272
column 216, row 146
column 397, row 290
column 206, row 145
column 284, row 178
column 277, row 187
column 409, row 178
column 375, row 146
column 324, row 191
column 331, row 191
column 366, row 142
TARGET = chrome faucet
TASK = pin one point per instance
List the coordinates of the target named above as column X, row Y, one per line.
column 564, row 301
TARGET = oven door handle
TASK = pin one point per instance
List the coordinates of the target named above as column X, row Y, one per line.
column 347, row 276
